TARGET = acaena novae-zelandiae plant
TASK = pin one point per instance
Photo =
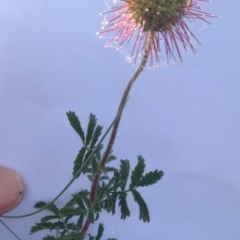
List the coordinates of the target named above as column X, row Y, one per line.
column 153, row 29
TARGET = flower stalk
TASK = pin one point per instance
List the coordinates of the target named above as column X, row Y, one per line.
column 108, row 150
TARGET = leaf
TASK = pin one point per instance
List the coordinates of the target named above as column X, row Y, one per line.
column 69, row 212
column 91, row 126
column 80, row 222
column 150, row 178
column 47, row 218
column 123, row 207
column 96, row 135
column 75, row 123
column 73, row 236
column 69, row 216
column 143, row 209
column 116, row 174
column 121, row 193
column 79, row 201
column 87, row 168
column 50, row 226
column 91, row 216
column 110, row 183
column 111, row 158
column 86, row 199
column 104, row 177
column 97, row 216
column 91, row 237
column 70, row 203
column 95, row 165
column 52, row 207
column 77, row 164
column 116, row 185
column 40, row 204
column 114, row 199
column 49, row 238
column 124, row 172
column 109, row 203
column 40, row 226
column 100, row 231
column 70, row 226
column 137, row 172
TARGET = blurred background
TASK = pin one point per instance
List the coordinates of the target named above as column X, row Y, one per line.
column 183, row 119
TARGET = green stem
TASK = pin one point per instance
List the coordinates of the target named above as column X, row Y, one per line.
column 5, row 225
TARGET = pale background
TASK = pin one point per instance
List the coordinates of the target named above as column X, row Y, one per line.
column 184, row 119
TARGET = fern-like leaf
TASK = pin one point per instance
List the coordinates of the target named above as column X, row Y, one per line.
column 143, row 209
column 137, row 172
column 91, row 127
column 75, row 123
column 100, row 231
column 150, row 178
column 124, row 207
column 124, row 172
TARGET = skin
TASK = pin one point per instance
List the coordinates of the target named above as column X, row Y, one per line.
column 11, row 190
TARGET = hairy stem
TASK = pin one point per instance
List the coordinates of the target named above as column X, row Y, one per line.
column 115, row 126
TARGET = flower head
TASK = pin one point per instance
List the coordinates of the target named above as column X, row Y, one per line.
column 133, row 21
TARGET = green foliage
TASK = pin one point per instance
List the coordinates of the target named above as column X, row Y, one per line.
column 143, row 209
column 90, row 129
column 93, row 133
column 51, row 207
column 124, row 172
column 150, row 178
column 75, row 123
column 49, row 238
column 77, row 206
column 137, row 172
column 79, row 161
column 112, row 191
column 124, row 207
column 100, row 231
